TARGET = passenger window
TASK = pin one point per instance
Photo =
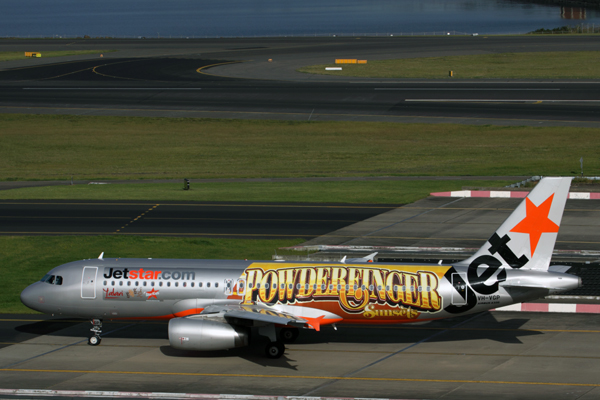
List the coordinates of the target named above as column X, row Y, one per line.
column 128, row 283
column 105, row 283
column 216, row 284
column 152, row 284
column 176, row 284
column 199, row 284
column 160, row 284
column 184, row 284
column 192, row 284
column 113, row 283
column 145, row 283
column 120, row 283
column 168, row 284
column 207, row 284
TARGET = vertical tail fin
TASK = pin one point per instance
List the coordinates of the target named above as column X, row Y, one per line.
column 526, row 238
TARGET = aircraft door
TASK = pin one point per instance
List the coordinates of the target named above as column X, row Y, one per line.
column 88, row 282
column 459, row 294
column 241, row 287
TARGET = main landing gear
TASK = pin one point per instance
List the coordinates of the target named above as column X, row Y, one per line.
column 275, row 348
column 95, row 339
column 289, row 335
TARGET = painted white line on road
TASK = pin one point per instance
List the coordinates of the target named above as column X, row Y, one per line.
column 501, row 101
column 474, row 89
column 81, row 88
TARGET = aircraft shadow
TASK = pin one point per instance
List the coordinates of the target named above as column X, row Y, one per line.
column 484, row 326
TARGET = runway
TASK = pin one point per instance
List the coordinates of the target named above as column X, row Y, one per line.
column 208, row 79
column 210, row 219
column 499, row 354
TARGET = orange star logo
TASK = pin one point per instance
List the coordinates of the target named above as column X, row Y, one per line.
column 536, row 222
column 152, row 294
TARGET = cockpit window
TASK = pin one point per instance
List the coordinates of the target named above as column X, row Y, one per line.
column 52, row 279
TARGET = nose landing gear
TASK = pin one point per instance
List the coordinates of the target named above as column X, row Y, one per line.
column 95, row 339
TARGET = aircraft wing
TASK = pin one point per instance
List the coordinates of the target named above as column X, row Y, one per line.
column 255, row 312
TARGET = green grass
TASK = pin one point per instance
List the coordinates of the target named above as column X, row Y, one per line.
column 547, row 65
column 56, row 147
column 25, row 259
column 19, row 55
column 394, row 192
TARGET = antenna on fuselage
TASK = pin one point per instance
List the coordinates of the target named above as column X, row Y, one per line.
column 101, row 256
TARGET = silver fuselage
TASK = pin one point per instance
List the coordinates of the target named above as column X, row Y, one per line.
column 358, row 293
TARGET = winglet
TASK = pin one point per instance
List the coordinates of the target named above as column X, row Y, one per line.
column 101, row 256
column 314, row 323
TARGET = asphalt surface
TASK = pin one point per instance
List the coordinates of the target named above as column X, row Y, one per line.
column 175, row 78
column 463, row 222
column 496, row 355
column 231, row 220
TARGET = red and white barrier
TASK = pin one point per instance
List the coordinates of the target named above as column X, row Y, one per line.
column 509, row 194
column 553, row 307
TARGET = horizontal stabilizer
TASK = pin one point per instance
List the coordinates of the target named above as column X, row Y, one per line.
column 559, row 268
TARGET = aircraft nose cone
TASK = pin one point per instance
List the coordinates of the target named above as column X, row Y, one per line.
column 32, row 298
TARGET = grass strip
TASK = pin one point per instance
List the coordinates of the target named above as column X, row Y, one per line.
column 19, row 55
column 25, row 259
column 58, row 147
column 391, row 192
column 542, row 65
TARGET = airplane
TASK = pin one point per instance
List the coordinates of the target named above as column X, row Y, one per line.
column 215, row 304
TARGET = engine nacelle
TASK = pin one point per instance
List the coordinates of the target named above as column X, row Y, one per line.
column 202, row 334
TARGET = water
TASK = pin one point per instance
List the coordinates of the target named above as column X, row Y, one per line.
column 227, row 18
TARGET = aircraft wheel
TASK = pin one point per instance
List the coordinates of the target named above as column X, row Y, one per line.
column 94, row 340
column 289, row 335
column 275, row 349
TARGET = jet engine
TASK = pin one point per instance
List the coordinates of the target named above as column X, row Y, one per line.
column 203, row 334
